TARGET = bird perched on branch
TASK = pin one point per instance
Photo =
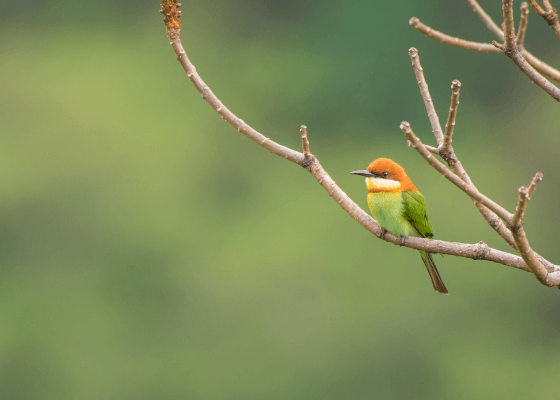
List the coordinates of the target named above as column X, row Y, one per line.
column 399, row 208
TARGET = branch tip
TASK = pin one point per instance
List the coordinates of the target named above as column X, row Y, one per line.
column 172, row 15
column 525, row 194
column 304, row 141
column 523, row 23
column 497, row 45
column 450, row 125
column 534, row 182
column 524, row 249
column 405, row 126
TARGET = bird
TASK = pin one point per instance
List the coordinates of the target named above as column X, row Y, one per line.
column 399, row 208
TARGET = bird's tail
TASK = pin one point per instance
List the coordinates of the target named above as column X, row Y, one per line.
column 434, row 274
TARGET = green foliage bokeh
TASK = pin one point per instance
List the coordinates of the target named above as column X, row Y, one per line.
column 150, row 251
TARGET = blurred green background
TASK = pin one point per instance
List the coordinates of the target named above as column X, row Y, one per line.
column 150, row 251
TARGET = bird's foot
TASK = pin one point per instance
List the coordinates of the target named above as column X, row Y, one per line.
column 383, row 233
column 402, row 239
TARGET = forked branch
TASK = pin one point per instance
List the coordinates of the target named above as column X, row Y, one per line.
column 526, row 62
column 508, row 226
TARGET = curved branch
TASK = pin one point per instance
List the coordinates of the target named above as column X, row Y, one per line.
column 450, row 40
column 226, row 114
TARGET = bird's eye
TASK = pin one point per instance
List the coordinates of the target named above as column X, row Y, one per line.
column 385, row 174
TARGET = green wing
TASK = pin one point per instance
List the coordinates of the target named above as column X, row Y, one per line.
column 415, row 212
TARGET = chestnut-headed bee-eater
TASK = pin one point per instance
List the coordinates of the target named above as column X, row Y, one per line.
column 399, row 208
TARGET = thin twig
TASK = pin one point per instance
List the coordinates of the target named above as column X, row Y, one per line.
column 536, row 63
column 448, row 134
column 550, row 15
column 524, row 197
column 304, row 141
column 486, row 19
column 509, row 28
column 425, row 93
column 533, row 185
column 522, row 24
column 518, row 232
column 450, row 40
column 468, row 189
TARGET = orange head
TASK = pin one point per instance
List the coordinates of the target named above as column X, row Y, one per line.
column 385, row 175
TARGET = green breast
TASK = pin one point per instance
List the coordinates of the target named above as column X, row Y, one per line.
column 387, row 209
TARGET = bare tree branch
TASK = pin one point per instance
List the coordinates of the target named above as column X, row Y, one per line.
column 538, row 64
column 479, row 251
column 518, row 232
column 550, row 15
column 509, row 29
column 448, row 135
column 524, row 197
column 305, row 141
column 486, row 19
column 522, row 24
column 510, row 49
column 450, row 40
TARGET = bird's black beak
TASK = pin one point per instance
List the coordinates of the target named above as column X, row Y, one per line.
column 363, row 172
